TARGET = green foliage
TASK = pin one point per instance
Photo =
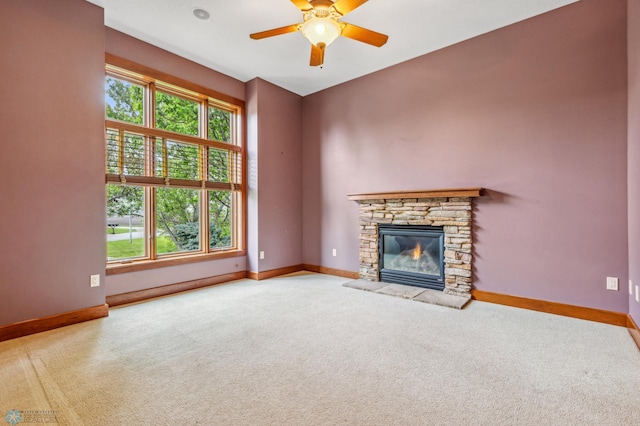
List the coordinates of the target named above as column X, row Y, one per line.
column 218, row 165
column 182, row 161
column 177, row 206
column 219, row 237
column 133, row 155
column 188, row 237
column 219, row 125
column 123, row 200
column 176, row 114
column 124, row 101
column 219, row 219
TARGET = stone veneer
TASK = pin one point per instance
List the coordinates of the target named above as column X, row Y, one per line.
column 453, row 213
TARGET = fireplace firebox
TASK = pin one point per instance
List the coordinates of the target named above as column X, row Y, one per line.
column 412, row 255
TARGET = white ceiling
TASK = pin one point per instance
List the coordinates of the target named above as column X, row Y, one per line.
column 415, row 27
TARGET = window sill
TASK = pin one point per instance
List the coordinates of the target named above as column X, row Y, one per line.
column 144, row 265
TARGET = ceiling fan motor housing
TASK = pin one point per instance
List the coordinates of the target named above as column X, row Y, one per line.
column 323, row 5
column 322, row 11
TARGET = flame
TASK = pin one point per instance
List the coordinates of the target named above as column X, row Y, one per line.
column 416, row 252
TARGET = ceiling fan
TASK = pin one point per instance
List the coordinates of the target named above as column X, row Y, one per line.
column 321, row 26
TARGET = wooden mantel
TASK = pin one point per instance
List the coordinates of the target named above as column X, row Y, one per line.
column 430, row 193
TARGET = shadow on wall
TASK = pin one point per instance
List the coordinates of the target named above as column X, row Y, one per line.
column 489, row 196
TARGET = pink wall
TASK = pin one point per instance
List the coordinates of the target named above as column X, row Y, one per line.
column 52, row 205
column 535, row 112
column 274, row 148
column 130, row 48
column 135, row 50
column 634, row 151
column 252, row 175
column 142, row 280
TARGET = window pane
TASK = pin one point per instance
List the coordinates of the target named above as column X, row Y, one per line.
column 123, row 101
column 133, row 155
column 159, row 159
column 220, row 219
column 176, row 114
column 182, row 160
column 218, row 165
column 219, row 125
column 125, row 222
column 178, row 220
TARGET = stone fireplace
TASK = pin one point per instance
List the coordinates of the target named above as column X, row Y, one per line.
column 449, row 210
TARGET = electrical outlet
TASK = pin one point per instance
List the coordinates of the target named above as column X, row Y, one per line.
column 637, row 295
column 631, row 287
column 335, row 252
column 95, row 280
column 612, row 283
column 262, row 255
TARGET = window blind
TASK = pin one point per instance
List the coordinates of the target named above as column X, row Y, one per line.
column 144, row 156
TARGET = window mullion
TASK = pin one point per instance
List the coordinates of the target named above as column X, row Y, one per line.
column 204, row 220
column 203, row 152
column 204, row 199
column 235, row 236
column 149, row 106
column 150, row 210
column 150, row 192
column 203, row 165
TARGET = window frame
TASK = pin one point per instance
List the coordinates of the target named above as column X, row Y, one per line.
column 153, row 81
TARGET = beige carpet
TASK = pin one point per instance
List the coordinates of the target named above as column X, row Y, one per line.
column 303, row 350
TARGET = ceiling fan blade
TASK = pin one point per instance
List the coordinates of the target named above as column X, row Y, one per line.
column 275, row 32
column 302, row 5
column 345, row 6
column 364, row 35
column 317, row 56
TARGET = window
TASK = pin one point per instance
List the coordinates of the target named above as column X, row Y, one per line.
column 174, row 167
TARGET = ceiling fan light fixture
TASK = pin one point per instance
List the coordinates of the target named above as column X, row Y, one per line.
column 321, row 30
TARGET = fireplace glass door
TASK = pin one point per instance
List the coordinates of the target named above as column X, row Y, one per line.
column 412, row 255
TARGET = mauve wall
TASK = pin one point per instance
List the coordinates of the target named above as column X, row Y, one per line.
column 52, row 203
column 274, row 128
column 135, row 50
column 535, row 112
column 634, row 152
column 252, row 174
column 130, row 48
column 142, row 280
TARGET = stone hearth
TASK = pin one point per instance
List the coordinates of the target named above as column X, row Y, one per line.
column 449, row 208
